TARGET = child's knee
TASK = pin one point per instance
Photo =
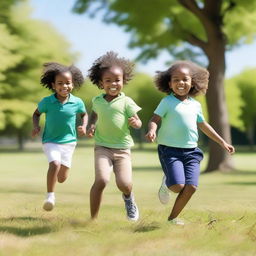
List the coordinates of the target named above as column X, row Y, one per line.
column 100, row 183
column 126, row 188
column 176, row 188
column 190, row 189
column 54, row 165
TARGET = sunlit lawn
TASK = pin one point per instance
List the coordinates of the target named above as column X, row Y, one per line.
column 220, row 218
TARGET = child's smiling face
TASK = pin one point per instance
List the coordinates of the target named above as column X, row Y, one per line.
column 181, row 82
column 112, row 81
column 63, row 84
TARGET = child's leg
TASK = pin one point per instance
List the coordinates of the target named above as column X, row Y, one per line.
column 63, row 173
column 67, row 151
column 123, row 171
column 185, row 193
column 53, row 170
column 191, row 162
column 103, row 168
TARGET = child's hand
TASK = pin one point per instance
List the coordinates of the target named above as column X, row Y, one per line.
column 151, row 136
column 134, row 122
column 229, row 148
column 35, row 131
column 81, row 130
column 90, row 132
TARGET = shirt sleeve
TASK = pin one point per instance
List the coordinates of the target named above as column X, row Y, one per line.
column 42, row 106
column 162, row 108
column 81, row 107
column 200, row 116
column 131, row 107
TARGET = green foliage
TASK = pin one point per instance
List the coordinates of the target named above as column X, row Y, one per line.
column 25, row 44
column 234, row 103
column 9, row 44
column 238, row 21
column 157, row 25
column 245, row 83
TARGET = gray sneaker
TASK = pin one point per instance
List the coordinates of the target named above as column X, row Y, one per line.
column 163, row 193
column 132, row 210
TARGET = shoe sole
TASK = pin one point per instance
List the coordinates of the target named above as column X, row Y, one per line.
column 48, row 206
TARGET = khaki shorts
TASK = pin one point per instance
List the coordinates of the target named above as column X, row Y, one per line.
column 111, row 159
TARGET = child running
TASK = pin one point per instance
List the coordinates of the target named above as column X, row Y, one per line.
column 59, row 136
column 180, row 115
column 112, row 114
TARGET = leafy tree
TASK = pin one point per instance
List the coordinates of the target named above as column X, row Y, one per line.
column 26, row 44
column 245, row 83
column 187, row 29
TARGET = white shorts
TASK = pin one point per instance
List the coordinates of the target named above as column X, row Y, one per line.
column 61, row 153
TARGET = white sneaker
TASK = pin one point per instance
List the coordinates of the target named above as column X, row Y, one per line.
column 49, row 204
column 163, row 192
column 132, row 210
column 176, row 221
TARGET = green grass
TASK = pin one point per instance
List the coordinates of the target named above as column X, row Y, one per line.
column 220, row 218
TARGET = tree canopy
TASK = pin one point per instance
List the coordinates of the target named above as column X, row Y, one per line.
column 25, row 44
column 201, row 30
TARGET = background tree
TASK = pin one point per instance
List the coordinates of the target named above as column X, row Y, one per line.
column 187, row 29
column 25, row 44
column 245, row 85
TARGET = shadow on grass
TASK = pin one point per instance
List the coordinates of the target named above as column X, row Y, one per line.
column 16, row 223
column 26, row 232
column 146, row 227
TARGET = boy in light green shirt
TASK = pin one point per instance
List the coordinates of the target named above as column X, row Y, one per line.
column 113, row 131
column 113, row 113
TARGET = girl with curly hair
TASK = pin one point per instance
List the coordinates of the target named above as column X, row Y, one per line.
column 112, row 115
column 61, row 110
column 180, row 116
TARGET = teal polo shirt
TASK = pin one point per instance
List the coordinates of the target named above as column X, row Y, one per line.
column 112, row 128
column 60, row 123
column 179, row 122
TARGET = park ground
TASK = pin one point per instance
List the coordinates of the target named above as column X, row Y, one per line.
column 220, row 218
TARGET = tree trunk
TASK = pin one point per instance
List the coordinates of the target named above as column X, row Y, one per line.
column 250, row 135
column 219, row 159
column 20, row 140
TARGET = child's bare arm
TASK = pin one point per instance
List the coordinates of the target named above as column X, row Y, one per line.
column 36, row 127
column 135, row 121
column 152, row 127
column 81, row 129
column 212, row 134
column 91, row 125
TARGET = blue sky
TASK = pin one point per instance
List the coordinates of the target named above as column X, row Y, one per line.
column 92, row 38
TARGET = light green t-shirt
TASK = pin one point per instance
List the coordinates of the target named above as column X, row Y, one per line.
column 179, row 122
column 112, row 129
column 60, row 122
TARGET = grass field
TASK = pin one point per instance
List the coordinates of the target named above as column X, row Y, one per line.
column 220, row 218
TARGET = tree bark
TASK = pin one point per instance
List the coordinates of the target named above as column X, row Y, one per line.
column 219, row 159
column 20, row 139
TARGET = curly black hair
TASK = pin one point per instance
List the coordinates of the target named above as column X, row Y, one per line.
column 199, row 76
column 51, row 69
column 107, row 61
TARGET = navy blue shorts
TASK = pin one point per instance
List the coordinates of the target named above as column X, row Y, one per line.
column 180, row 165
